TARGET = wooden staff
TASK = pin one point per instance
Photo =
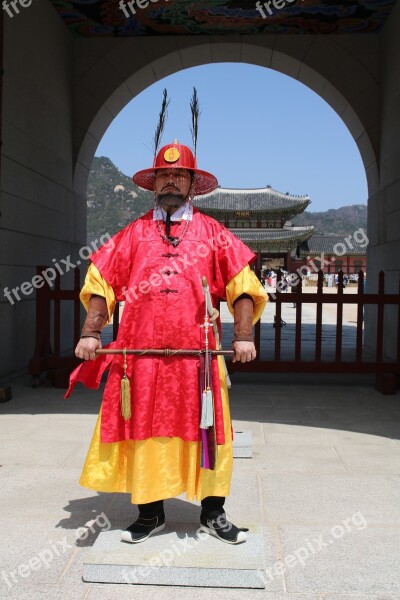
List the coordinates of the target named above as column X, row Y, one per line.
column 165, row 352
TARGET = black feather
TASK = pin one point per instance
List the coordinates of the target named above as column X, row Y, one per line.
column 195, row 108
column 161, row 122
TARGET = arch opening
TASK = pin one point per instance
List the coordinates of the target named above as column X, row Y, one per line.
column 104, row 111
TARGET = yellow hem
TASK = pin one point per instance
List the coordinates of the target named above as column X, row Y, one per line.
column 159, row 467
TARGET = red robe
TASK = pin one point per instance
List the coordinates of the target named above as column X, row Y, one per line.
column 165, row 308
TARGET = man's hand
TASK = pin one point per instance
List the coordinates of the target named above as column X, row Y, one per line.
column 86, row 348
column 244, row 351
column 95, row 319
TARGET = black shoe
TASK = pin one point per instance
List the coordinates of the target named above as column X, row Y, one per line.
column 142, row 529
column 221, row 528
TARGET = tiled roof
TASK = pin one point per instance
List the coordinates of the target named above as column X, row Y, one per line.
column 326, row 244
column 289, row 233
column 254, row 200
column 278, row 240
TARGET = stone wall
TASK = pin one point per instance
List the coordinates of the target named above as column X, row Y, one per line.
column 39, row 218
column 384, row 205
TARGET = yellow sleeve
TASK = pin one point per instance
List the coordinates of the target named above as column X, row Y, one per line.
column 246, row 282
column 96, row 284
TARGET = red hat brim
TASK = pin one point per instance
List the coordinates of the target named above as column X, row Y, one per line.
column 203, row 182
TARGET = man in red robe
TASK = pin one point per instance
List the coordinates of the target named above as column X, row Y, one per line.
column 156, row 265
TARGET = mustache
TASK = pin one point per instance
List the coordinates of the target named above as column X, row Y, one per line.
column 170, row 185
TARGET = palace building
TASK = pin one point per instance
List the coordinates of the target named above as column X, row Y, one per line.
column 261, row 218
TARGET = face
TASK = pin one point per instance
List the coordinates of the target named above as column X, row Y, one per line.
column 172, row 186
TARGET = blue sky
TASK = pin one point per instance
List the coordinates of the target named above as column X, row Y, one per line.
column 257, row 128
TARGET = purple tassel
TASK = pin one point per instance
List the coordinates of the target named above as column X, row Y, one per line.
column 211, row 441
column 205, row 461
column 207, row 435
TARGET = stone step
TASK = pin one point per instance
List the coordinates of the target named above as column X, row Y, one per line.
column 179, row 555
column 242, row 444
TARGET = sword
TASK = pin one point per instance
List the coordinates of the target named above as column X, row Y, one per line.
column 165, row 352
column 214, row 314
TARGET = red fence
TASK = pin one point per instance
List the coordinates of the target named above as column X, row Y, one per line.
column 386, row 369
column 48, row 356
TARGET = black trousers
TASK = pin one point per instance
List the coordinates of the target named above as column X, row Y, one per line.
column 211, row 505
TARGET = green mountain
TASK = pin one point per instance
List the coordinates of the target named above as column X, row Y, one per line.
column 113, row 201
column 335, row 221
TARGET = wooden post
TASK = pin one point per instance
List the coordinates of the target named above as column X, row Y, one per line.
column 380, row 318
column 297, row 343
column 339, row 319
column 360, row 318
column 318, row 332
column 278, row 318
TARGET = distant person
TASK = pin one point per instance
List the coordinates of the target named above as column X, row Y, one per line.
column 290, row 279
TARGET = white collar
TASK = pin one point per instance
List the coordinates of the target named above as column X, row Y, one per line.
column 184, row 212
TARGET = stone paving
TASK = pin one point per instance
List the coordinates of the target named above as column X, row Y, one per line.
column 325, row 472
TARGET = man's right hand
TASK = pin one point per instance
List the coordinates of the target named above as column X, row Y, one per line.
column 87, row 347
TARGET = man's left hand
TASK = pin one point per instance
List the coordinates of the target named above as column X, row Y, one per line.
column 244, row 351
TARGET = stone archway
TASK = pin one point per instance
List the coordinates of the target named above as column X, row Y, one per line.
column 60, row 93
column 342, row 71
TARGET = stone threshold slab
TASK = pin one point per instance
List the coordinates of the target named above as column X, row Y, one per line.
column 179, row 555
column 242, row 444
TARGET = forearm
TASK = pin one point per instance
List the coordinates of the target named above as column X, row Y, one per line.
column 243, row 318
column 96, row 317
column 96, row 285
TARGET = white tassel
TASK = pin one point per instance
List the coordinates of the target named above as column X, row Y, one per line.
column 207, row 416
column 210, row 411
column 203, row 410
